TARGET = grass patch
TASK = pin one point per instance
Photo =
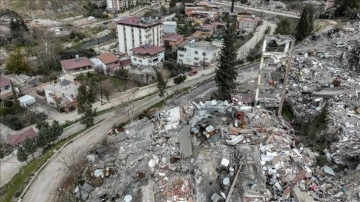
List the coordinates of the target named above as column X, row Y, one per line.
column 287, row 111
column 19, row 181
column 122, row 105
column 117, row 81
column 18, row 5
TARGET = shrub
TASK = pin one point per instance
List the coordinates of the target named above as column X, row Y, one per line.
column 179, row 79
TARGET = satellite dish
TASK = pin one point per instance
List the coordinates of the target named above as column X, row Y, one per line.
column 226, row 181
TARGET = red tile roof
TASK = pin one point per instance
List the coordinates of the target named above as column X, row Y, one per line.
column 209, row 27
column 125, row 62
column 20, row 136
column 108, row 58
column 135, row 21
column 4, row 81
column 152, row 50
column 74, row 64
column 172, row 37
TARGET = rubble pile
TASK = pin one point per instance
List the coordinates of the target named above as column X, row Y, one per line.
column 318, row 77
column 208, row 152
column 216, row 151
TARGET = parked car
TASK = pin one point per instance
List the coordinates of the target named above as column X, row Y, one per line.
column 340, row 45
column 193, row 72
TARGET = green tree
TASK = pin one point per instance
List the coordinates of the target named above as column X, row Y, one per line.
column 225, row 73
column 85, row 100
column 56, row 129
column 163, row 10
column 88, row 115
column 41, row 124
column 21, row 155
column 82, row 98
column 244, row 1
column 179, row 79
column 172, row 4
column 161, row 83
column 347, row 8
column 306, row 23
column 148, row 13
column 30, row 146
column 17, row 63
column 48, row 134
column 43, row 138
column 286, row 26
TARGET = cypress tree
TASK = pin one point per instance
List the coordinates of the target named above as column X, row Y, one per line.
column 225, row 72
column 306, row 23
column 161, row 83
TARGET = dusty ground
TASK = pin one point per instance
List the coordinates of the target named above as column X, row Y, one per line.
column 322, row 25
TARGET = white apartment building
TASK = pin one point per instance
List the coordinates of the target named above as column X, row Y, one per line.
column 196, row 53
column 113, row 5
column 147, row 55
column 136, row 31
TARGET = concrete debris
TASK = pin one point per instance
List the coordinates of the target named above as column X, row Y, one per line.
column 329, row 170
column 217, row 151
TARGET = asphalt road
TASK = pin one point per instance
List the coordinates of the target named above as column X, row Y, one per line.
column 204, row 92
column 260, row 10
column 45, row 186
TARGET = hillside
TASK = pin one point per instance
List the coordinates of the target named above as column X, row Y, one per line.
column 50, row 9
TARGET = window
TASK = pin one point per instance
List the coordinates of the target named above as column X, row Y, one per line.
column 196, row 64
column 181, row 55
column 196, row 58
column 140, row 60
column 196, row 52
column 135, row 59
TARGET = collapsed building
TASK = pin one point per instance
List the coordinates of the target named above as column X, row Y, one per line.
column 60, row 94
column 219, row 151
column 212, row 151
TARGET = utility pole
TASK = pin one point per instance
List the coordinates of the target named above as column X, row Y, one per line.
column 204, row 54
column 232, row 5
column 286, row 78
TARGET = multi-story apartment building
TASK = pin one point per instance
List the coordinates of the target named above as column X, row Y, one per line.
column 136, row 31
column 198, row 54
column 113, row 5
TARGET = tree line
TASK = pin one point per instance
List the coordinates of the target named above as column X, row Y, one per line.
column 48, row 134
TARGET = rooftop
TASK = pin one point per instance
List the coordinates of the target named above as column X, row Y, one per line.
column 125, row 62
column 172, row 37
column 108, row 58
column 148, row 49
column 197, row 4
column 20, row 136
column 203, row 45
column 139, row 22
column 4, row 81
column 249, row 19
column 76, row 63
column 63, row 88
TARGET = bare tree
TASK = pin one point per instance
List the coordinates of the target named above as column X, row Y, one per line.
column 130, row 109
column 46, row 50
